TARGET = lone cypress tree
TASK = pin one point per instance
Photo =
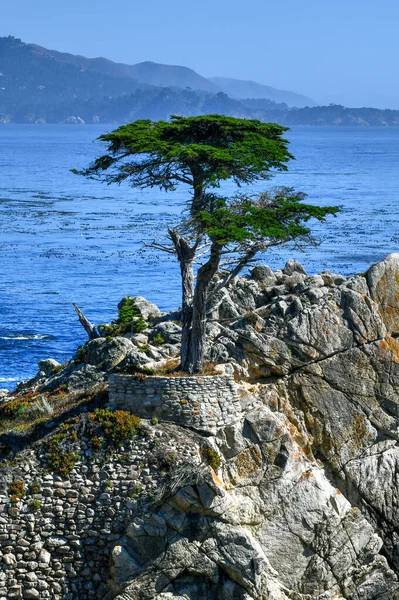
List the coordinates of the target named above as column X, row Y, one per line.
column 202, row 152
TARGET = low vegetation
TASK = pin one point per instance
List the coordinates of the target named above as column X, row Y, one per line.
column 129, row 320
column 35, row 505
column 17, row 489
column 213, row 459
column 59, row 458
column 117, row 426
column 106, row 430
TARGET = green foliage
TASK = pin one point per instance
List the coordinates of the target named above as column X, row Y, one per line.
column 109, row 484
column 213, row 459
column 81, row 355
column 129, row 319
column 171, row 458
column 96, row 443
column 126, row 312
column 276, row 217
column 135, row 491
column 203, row 152
column 118, row 426
column 35, row 488
column 158, row 340
column 154, row 421
column 199, row 151
column 108, row 330
column 139, row 325
column 16, row 407
column 35, row 505
column 59, row 457
column 17, row 488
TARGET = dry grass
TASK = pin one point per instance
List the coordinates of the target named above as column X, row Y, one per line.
column 38, row 409
column 170, row 369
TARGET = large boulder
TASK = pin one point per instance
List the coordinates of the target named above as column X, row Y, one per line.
column 107, row 354
column 144, row 307
column 49, row 366
column 293, row 266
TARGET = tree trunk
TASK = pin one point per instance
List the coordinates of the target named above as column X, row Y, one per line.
column 185, row 254
column 195, row 358
column 89, row 328
column 198, row 200
column 242, row 263
column 187, row 274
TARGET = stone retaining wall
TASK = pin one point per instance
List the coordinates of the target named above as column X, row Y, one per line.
column 61, row 550
column 202, row 403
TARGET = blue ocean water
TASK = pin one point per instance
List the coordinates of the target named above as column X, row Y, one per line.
column 65, row 239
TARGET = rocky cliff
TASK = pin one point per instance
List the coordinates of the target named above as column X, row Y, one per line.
column 295, row 499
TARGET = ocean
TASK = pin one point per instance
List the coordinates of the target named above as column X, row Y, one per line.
column 66, row 239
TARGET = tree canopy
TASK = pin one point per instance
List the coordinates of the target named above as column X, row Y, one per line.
column 203, row 152
column 268, row 217
column 198, row 151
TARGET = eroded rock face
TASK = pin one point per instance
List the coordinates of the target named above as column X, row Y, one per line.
column 269, row 525
column 305, row 501
column 305, row 504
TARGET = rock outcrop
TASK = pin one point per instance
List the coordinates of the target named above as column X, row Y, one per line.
column 295, row 499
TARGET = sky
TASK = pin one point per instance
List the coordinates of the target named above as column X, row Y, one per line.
column 335, row 51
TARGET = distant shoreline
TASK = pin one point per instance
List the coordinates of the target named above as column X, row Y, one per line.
column 296, row 126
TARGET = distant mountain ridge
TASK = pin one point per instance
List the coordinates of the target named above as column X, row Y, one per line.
column 240, row 89
column 46, row 86
column 148, row 72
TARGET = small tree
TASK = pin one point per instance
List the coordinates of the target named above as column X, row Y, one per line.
column 202, row 152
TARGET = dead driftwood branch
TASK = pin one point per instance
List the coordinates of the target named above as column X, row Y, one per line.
column 89, row 328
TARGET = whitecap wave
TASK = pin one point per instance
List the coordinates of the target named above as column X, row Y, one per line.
column 36, row 336
column 9, row 378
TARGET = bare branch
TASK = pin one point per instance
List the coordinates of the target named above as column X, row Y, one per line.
column 89, row 328
column 157, row 246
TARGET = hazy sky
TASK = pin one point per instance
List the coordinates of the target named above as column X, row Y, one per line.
column 342, row 51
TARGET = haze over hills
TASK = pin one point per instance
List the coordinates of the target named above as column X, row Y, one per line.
column 145, row 72
column 237, row 88
column 46, row 86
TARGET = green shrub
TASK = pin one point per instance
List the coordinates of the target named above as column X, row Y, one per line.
column 96, row 443
column 118, row 426
column 135, row 491
column 158, row 340
column 80, row 355
column 60, row 460
column 129, row 319
column 17, row 407
column 35, row 488
column 214, row 459
column 126, row 312
column 154, row 421
column 109, row 331
column 139, row 325
column 17, row 488
column 35, row 505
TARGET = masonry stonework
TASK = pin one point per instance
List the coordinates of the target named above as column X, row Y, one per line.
column 203, row 403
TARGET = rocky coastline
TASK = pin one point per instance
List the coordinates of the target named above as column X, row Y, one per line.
column 293, row 495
